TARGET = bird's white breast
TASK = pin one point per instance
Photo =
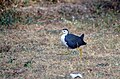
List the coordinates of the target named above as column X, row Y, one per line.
column 63, row 39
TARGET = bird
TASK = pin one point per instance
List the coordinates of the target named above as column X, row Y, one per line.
column 72, row 41
column 75, row 75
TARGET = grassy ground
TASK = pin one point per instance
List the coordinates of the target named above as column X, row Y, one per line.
column 34, row 51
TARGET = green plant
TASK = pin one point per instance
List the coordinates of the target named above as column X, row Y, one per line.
column 7, row 17
column 28, row 64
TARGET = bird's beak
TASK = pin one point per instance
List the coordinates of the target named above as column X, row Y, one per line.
column 60, row 32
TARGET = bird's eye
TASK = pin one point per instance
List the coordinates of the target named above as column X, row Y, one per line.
column 64, row 31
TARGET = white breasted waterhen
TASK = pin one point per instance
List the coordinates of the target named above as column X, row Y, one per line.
column 72, row 41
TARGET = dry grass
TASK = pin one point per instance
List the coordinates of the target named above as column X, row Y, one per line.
column 35, row 52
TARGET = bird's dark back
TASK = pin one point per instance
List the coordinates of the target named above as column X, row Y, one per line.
column 74, row 41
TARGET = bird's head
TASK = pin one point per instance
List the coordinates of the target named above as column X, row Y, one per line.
column 65, row 31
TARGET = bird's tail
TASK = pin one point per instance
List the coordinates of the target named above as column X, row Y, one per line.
column 82, row 38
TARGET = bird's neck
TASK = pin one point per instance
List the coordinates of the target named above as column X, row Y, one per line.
column 65, row 34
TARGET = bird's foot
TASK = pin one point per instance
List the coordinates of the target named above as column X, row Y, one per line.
column 65, row 53
column 80, row 52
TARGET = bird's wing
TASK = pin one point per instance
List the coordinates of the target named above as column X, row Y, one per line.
column 72, row 40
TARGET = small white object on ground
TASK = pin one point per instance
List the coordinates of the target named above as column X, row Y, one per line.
column 75, row 75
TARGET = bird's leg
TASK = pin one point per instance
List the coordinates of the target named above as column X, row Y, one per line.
column 68, row 51
column 80, row 52
column 65, row 52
